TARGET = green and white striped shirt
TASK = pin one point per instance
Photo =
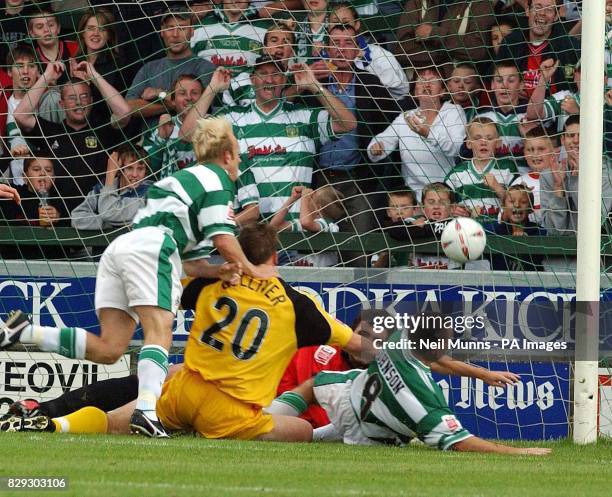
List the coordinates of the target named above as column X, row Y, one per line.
column 168, row 155
column 193, row 205
column 409, row 402
column 509, row 134
column 305, row 39
column 473, row 193
column 553, row 110
column 278, row 151
column 232, row 45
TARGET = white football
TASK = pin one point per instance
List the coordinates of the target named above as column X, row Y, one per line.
column 463, row 239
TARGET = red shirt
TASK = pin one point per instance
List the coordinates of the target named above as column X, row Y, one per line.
column 532, row 75
column 306, row 363
column 6, row 83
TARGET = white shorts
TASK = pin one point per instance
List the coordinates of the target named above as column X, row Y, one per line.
column 142, row 267
column 332, row 389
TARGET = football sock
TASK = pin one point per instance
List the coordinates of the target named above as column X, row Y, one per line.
column 69, row 342
column 106, row 395
column 152, row 371
column 86, row 420
column 288, row 404
column 327, row 433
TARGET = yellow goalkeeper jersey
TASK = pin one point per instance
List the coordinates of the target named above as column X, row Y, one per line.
column 244, row 336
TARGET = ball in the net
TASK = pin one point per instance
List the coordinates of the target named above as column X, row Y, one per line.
column 463, row 239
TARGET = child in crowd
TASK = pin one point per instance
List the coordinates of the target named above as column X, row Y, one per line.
column 437, row 210
column 41, row 204
column 540, row 156
column 515, row 221
column 320, row 210
column 167, row 152
column 464, row 86
column 115, row 203
column 508, row 112
column 480, row 183
column 25, row 72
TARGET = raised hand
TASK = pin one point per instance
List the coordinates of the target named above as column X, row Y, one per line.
column 82, row 70
column 570, row 106
column 9, row 192
column 53, row 72
column 19, row 151
column 548, row 68
column 377, row 149
column 165, row 126
column 304, row 77
column 151, row 93
column 500, row 378
column 220, row 80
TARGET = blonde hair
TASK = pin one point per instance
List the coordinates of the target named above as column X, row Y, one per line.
column 212, row 137
column 329, row 202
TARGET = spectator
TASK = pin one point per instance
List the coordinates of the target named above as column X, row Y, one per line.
column 504, row 26
column 402, row 207
column 540, row 156
column 320, row 211
column 80, row 142
column 311, row 30
column 544, row 39
column 507, row 111
column 461, row 34
column 115, row 203
column 341, row 162
column 515, row 221
column 44, row 29
column 559, row 186
column 13, row 26
column 415, row 47
column 278, row 44
column 278, row 141
column 438, row 203
column 149, row 91
column 230, row 36
column 558, row 107
column 25, row 72
column 429, row 138
column 480, row 183
column 98, row 46
column 464, row 87
column 166, row 151
column 41, row 204
column 373, row 58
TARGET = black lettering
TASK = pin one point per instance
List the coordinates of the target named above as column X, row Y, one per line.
column 62, row 377
column 9, row 376
column 49, row 375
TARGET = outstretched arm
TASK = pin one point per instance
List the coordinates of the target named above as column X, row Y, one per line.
column 446, row 365
column 475, row 444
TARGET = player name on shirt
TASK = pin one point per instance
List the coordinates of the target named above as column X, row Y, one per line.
column 268, row 288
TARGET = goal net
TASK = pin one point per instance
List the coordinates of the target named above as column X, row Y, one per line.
column 363, row 128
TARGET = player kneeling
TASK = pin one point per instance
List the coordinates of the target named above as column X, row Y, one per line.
column 392, row 401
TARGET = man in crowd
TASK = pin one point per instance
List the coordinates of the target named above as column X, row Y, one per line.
column 79, row 143
column 278, row 141
column 150, row 90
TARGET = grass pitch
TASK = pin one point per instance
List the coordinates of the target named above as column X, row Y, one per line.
column 108, row 466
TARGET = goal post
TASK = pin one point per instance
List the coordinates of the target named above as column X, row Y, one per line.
column 586, row 383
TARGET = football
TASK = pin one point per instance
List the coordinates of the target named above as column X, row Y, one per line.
column 463, row 239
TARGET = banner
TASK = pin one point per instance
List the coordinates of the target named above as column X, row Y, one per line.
column 45, row 376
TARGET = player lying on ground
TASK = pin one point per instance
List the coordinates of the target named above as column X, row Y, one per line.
column 108, row 395
column 240, row 343
column 186, row 215
column 392, row 401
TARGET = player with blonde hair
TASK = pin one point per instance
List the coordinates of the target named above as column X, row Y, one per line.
column 185, row 216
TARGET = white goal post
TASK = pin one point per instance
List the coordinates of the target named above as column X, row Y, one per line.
column 589, row 222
